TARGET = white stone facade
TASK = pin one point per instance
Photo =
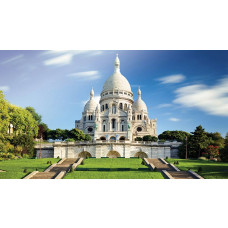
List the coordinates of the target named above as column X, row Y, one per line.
column 101, row 149
column 117, row 116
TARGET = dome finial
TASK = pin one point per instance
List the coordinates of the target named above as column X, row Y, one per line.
column 91, row 94
column 139, row 92
column 117, row 64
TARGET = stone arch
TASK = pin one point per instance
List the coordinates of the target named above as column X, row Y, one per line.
column 141, row 154
column 122, row 138
column 103, row 138
column 112, row 138
column 84, row 154
column 113, row 154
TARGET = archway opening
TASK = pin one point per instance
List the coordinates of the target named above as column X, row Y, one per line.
column 113, row 154
column 122, row 138
column 103, row 138
column 113, row 138
column 84, row 154
column 140, row 155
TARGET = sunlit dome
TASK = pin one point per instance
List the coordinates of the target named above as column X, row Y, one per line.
column 91, row 105
column 117, row 81
column 139, row 104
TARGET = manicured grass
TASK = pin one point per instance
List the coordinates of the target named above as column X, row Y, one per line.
column 210, row 169
column 15, row 168
column 136, row 169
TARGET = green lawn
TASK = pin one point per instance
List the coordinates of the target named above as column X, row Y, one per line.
column 15, row 168
column 210, row 169
column 135, row 169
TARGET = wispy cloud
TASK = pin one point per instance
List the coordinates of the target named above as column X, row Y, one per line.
column 164, row 105
column 96, row 98
column 210, row 99
column 86, row 75
column 136, row 86
column 174, row 119
column 177, row 78
column 65, row 57
column 4, row 88
column 59, row 61
column 12, row 59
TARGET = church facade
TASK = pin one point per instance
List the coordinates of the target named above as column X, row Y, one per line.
column 117, row 117
column 113, row 123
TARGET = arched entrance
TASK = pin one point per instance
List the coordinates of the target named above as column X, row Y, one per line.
column 113, row 138
column 122, row 138
column 103, row 138
column 113, row 154
column 84, row 154
column 140, row 155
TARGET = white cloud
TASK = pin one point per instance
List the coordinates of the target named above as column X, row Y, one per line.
column 164, row 105
column 174, row 119
column 59, row 61
column 4, row 88
column 210, row 99
column 64, row 57
column 177, row 78
column 96, row 98
column 86, row 75
column 13, row 59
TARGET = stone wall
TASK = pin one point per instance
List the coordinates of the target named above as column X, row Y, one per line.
column 100, row 149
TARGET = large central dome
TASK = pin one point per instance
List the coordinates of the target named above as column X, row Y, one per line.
column 117, row 81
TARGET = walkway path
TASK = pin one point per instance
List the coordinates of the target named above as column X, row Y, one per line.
column 65, row 165
column 161, row 166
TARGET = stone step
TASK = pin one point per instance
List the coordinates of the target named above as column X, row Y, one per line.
column 181, row 175
column 44, row 175
column 160, row 165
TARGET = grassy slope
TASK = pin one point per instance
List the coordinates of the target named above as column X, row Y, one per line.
column 134, row 164
column 210, row 169
column 15, row 168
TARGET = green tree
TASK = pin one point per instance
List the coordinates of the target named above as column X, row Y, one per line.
column 35, row 115
column 216, row 139
column 76, row 134
column 138, row 139
column 150, row 138
column 179, row 136
column 224, row 151
column 88, row 137
column 4, row 120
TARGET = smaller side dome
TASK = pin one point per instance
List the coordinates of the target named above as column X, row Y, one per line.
column 139, row 104
column 91, row 105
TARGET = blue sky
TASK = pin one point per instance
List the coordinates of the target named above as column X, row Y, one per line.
column 182, row 89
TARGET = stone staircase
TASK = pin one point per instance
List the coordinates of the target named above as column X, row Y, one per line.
column 160, row 165
column 170, row 171
column 181, row 175
column 64, row 165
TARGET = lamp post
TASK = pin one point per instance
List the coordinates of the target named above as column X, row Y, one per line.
column 186, row 149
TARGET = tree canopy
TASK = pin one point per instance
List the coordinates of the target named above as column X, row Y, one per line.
column 179, row 136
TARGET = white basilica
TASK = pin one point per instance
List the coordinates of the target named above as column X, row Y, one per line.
column 117, row 117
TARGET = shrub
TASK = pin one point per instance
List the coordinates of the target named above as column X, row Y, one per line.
column 202, row 158
column 47, row 162
column 167, row 157
column 25, row 170
column 200, row 169
column 58, row 157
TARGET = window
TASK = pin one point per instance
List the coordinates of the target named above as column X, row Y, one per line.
column 106, row 106
column 90, row 129
column 113, row 123
column 113, row 109
column 121, row 105
column 139, row 129
column 102, row 108
column 125, row 107
column 84, row 118
column 103, row 128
